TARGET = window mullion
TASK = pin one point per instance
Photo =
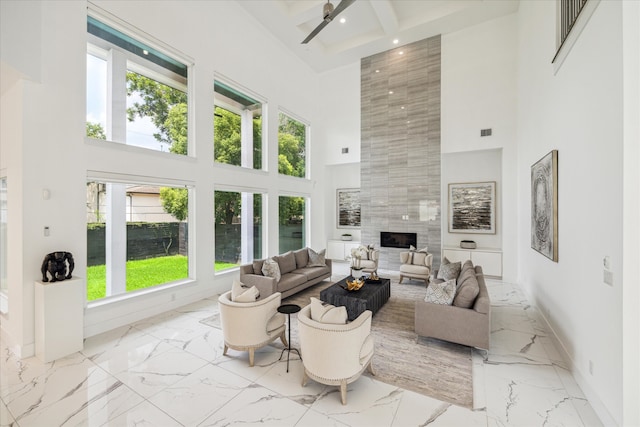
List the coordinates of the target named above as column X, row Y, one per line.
column 116, row 96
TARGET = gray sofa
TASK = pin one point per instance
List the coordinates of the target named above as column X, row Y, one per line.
column 296, row 275
column 468, row 326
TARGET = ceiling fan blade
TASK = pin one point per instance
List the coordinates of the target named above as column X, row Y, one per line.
column 315, row 31
column 342, row 6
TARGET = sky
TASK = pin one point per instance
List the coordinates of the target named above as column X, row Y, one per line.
column 140, row 131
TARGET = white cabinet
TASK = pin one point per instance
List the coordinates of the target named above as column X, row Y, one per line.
column 340, row 249
column 59, row 318
column 489, row 259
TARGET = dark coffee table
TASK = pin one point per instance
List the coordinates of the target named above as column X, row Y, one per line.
column 372, row 296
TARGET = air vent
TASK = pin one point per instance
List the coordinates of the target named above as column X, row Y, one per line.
column 345, row 150
column 485, row 132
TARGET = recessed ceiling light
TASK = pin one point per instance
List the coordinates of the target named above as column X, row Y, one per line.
column 401, row 53
column 377, row 71
column 390, row 92
column 343, row 20
column 395, row 41
column 145, row 51
column 402, row 108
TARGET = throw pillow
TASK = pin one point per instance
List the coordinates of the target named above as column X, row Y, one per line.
column 327, row 313
column 257, row 266
column 449, row 271
column 270, row 268
column 302, row 257
column 242, row 293
column 316, row 259
column 441, row 293
column 466, row 294
column 419, row 258
column 286, row 262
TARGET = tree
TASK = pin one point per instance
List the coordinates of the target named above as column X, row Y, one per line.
column 95, row 130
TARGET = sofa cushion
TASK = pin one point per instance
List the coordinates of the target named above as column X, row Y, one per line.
column 466, row 293
column 449, row 271
column 290, row 281
column 327, row 313
column 316, row 259
column 257, row 266
column 242, row 293
column 312, row 272
column 414, row 269
column 465, row 275
column 302, row 257
column 270, row 268
column 286, row 262
column 441, row 292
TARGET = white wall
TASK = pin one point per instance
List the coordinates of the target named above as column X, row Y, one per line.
column 220, row 38
column 479, row 92
column 579, row 113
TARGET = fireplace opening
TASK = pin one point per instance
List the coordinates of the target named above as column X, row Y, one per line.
column 398, row 240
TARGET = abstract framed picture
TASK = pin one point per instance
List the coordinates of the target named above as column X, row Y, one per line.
column 544, row 205
column 472, row 207
column 348, row 205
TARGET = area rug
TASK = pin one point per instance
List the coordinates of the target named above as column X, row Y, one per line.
column 435, row 368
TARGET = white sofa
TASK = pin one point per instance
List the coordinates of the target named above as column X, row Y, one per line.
column 335, row 354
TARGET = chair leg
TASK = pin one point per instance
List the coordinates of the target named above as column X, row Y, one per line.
column 305, row 378
column 401, row 277
column 343, row 391
column 224, row 352
column 283, row 338
column 370, row 368
column 251, row 356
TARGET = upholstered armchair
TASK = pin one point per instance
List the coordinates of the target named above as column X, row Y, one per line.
column 250, row 325
column 416, row 265
column 335, row 354
column 367, row 260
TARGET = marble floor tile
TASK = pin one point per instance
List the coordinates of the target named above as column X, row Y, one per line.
column 169, row 370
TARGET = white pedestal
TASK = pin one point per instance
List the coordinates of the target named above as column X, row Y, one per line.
column 59, row 318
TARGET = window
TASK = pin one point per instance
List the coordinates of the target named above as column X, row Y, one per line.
column 137, row 237
column 237, row 126
column 292, row 223
column 4, row 282
column 238, row 228
column 136, row 94
column 292, row 146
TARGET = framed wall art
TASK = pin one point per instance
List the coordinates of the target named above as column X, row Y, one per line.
column 348, row 206
column 544, row 205
column 472, row 207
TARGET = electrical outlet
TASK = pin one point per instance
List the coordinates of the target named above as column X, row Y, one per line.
column 591, row 367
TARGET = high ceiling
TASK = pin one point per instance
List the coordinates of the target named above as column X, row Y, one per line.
column 370, row 27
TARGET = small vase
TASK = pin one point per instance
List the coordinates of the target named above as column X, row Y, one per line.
column 356, row 273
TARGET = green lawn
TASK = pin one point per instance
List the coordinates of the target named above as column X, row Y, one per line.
column 144, row 274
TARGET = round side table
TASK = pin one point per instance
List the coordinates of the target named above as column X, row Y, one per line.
column 289, row 309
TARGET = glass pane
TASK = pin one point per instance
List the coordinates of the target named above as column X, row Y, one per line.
column 228, row 229
column 292, row 223
column 226, row 137
column 291, row 147
column 156, row 115
column 235, row 111
column 257, row 226
column 137, row 237
column 96, row 97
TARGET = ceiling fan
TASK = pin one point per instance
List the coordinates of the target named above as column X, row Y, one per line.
column 328, row 13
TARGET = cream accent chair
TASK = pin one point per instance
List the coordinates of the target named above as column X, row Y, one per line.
column 335, row 354
column 250, row 325
column 369, row 260
column 416, row 265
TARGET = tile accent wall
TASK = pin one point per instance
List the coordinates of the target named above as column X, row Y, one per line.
column 400, row 147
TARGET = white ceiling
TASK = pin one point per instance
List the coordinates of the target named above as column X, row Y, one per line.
column 370, row 27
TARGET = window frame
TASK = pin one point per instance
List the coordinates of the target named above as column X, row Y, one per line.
column 139, row 65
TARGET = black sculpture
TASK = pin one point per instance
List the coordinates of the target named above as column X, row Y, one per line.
column 56, row 264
